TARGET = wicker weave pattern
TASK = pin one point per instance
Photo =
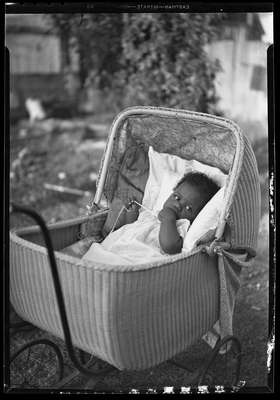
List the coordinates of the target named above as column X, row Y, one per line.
column 245, row 212
column 133, row 320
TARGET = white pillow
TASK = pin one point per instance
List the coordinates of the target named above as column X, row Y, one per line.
column 168, row 183
column 159, row 162
column 165, row 171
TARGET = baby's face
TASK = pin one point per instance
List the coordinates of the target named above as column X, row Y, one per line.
column 186, row 201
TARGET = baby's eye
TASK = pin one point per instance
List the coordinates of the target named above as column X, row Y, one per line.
column 189, row 208
column 176, row 197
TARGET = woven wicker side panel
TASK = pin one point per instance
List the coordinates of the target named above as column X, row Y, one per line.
column 150, row 316
column 191, row 140
column 158, row 313
column 63, row 237
column 33, row 297
column 137, row 320
column 245, row 212
column 60, row 236
column 133, row 320
column 31, row 288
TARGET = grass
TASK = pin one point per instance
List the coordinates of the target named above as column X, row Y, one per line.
column 60, row 156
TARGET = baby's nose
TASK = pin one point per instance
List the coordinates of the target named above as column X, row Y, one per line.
column 179, row 206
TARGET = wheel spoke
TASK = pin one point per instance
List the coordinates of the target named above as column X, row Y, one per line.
column 41, row 367
column 27, row 359
column 38, row 368
column 36, row 364
column 41, row 385
column 213, row 379
column 19, row 370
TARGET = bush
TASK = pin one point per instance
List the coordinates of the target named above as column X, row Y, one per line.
column 164, row 61
column 145, row 58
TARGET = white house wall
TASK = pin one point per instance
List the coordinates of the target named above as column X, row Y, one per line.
column 34, row 53
column 238, row 98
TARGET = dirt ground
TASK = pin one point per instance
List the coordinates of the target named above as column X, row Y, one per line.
column 68, row 153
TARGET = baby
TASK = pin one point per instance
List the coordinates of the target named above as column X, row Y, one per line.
column 144, row 238
column 189, row 196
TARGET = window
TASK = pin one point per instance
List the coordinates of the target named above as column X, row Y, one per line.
column 258, row 81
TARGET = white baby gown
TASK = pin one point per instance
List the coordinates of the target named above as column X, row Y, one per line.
column 134, row 243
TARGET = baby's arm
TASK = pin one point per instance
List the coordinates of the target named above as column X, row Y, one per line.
column 169, row 239
column 132, row 210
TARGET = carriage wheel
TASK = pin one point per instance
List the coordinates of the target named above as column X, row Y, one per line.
column 223, row 366
column 37, row 364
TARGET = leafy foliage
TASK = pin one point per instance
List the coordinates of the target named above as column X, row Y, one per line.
column 146, row 58
column 165, row 59
column 96, row 38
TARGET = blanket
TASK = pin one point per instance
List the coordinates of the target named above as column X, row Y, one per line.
column 135, row 243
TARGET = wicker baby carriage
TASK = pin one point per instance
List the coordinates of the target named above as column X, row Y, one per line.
column 136, row 318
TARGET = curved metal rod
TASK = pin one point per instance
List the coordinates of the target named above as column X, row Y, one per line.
column 32, row 213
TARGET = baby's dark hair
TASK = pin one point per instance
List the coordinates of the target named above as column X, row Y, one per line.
column 205, row 185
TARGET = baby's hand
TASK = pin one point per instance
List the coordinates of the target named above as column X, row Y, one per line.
column 167, row 211
column 130, row 205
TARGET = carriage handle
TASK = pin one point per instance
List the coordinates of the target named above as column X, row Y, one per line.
column 192, row 115
column 59, row 295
